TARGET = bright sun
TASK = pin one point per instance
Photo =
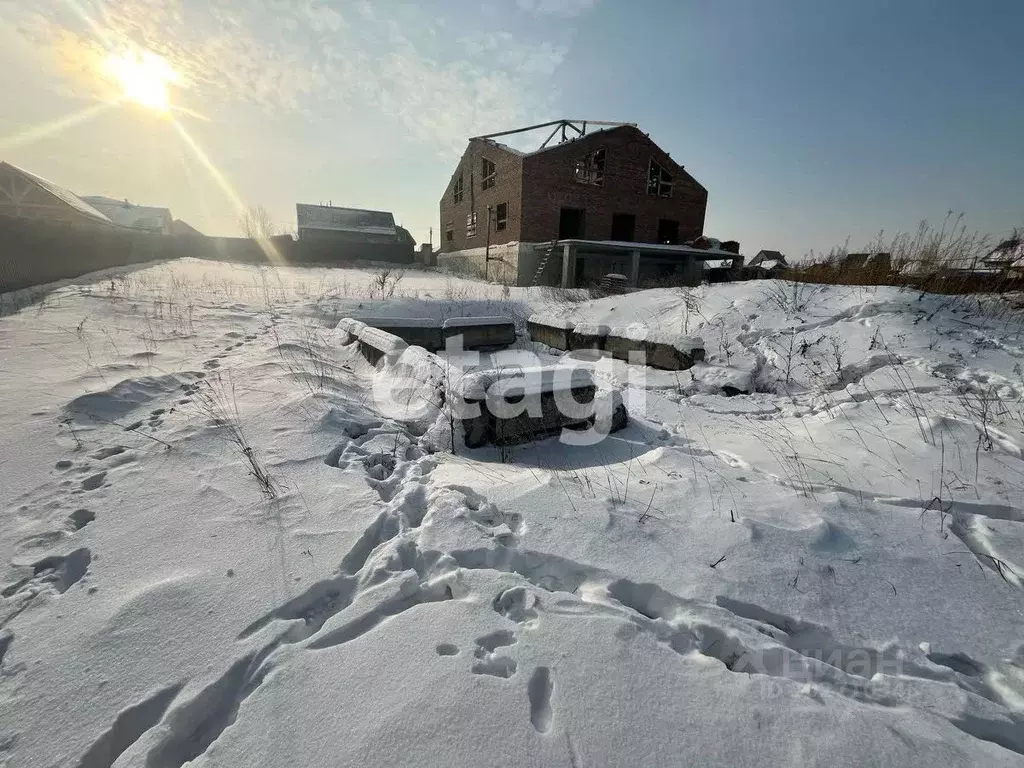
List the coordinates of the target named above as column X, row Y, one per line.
column 144, row 78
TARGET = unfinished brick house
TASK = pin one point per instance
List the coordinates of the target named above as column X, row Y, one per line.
column 609, row 200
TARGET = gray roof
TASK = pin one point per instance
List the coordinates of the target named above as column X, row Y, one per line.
column 345, row 219
column 64, row 195
column 768, row 259
column 1007, row 252
column 132, row 216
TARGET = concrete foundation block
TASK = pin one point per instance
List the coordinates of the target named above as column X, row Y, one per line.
column 417, row 331
column 551, row 331
column 481, row 332
column 588, row 336
column 375, row 344
column 669, row 352
column 515, row 406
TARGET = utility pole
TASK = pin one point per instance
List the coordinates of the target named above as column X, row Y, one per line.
column 487, row 249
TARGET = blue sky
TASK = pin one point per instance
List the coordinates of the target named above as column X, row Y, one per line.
column 809, row 121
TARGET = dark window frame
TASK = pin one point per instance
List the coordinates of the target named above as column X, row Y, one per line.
column 589, row 169
column 458, row 190
column 500, row 217
column 488, row 173
column 471, row 224
column 659, row 180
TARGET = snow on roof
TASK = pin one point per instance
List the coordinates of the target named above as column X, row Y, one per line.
column 1007, row 253
column 126, row 214
column 345, row 219
column 64, row 195
column 768, row 259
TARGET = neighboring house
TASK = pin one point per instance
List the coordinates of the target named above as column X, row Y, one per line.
column 24, row 195
column 723, row 270
column 610, row 186
column 766, row 264
column 1008, row 256
column 318, row 222
column 353, row 233
column 144, row 218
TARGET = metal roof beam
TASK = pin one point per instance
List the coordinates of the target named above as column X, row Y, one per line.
column 550, row 123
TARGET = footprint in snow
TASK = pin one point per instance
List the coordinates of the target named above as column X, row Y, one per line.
column 539, row 693
column 106, row 453
column 93, row 482
column 489, row 661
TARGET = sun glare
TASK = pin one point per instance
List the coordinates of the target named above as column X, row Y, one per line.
column 144, row 78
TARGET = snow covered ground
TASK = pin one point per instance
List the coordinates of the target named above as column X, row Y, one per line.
column 219, row 550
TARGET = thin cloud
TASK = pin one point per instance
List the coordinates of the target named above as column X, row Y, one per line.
column 307, row 55
column 565, row 8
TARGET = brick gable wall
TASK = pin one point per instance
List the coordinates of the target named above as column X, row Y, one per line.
column 549, row 184
column 507, row 189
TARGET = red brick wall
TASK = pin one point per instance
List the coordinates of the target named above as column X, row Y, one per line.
column 507, row 188
column 548, row 184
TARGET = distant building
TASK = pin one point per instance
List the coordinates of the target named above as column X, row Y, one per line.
column 319, row 222
column 145, row 218
column 1008, row 256
column 353, row 233
column 766, row 264
column 593, row 192
column 24, row 195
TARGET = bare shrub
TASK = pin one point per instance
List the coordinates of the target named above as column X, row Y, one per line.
column 691, row 306
column 946, row 259
column 557, row 295
column 791, row 297
column 216, row 400
column 837, row 348
column 257, row 224
column 385, row 282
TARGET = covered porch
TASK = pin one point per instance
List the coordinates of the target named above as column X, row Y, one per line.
column 585, row 261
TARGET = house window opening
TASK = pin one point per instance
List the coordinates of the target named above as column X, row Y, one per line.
column 590, row 169
column 668, row 231
column 659, row 181
column 488, row 174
